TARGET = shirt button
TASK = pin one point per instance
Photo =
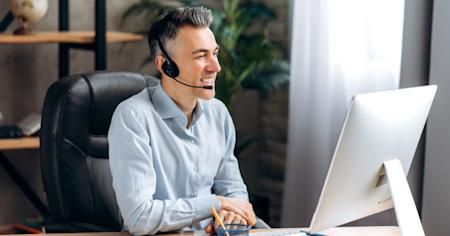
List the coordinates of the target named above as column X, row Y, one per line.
column 192, row 195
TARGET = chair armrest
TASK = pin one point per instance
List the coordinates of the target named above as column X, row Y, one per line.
column 75, row 227
column 260, row 224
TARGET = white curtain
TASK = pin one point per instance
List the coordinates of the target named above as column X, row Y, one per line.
column 339, row 48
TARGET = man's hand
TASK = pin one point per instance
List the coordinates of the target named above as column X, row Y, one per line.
column 227, row 217
column 240, row 207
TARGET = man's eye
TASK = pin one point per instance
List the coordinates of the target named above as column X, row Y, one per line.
column 216, row 54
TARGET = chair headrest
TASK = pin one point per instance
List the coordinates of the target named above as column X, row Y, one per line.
column 88, row 102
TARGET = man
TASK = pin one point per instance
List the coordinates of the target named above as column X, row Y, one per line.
column 171, row 146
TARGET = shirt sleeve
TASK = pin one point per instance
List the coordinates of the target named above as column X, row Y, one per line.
column 228, row 181
column 134, row 181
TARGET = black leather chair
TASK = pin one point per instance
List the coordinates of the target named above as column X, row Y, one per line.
column 74, row 149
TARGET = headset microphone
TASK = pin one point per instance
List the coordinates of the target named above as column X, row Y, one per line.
column 193, row 86
column 170, row 68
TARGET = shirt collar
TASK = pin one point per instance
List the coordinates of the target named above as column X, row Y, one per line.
column 167, row 108
column 198, row 111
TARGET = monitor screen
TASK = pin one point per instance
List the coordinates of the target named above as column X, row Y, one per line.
column 379, row 126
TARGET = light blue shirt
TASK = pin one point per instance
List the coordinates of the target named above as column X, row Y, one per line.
column 164, row 174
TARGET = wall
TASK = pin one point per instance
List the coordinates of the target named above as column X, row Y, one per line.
column 414, row 72
column 274, row 115
column 436, row 191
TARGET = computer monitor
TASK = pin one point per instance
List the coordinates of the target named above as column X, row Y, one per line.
column 379, row 127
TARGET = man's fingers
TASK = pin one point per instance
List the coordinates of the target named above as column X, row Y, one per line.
column 215, row 226
column 237, row 210
column 251, row 218
column 237, row 220
column 209, row 229
column 243, row 221
column 240, row 207
column 249, row 215
column 229, row 217
column 222, row 214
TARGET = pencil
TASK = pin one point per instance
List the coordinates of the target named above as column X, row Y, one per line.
column 216, row 216
column 218, row 220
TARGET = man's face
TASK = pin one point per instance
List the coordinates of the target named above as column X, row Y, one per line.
column 195, row 52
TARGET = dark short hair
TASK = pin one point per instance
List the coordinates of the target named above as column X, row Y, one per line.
column 167, row 27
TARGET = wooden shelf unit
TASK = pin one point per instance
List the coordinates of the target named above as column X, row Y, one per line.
column 75, row 37
column 95, row 41
column 66, row 39
column 19, row 143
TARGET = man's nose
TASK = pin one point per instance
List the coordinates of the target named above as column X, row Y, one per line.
column 214, row 66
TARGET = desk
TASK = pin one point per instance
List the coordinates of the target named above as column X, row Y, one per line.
column 21, row 143
column 339, row 231
column 364, row 230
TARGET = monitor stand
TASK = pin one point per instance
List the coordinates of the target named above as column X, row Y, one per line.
column 405, row 208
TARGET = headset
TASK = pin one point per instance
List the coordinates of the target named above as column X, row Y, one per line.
column 170, row 68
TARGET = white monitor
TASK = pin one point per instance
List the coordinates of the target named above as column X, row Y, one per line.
column 379, row 127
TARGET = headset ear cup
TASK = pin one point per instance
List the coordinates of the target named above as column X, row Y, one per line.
column 170, row 69
column 166, row 69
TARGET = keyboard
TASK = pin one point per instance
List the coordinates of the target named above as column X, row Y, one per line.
column 281, row 232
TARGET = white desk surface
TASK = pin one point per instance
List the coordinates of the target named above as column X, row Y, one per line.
column 339, row 231
column 350, row 231
column 366, row 231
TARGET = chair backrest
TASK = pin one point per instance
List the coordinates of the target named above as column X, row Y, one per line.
column 74, row 147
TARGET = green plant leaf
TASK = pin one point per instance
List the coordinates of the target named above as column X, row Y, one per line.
column 269, row 77
column 257, row 10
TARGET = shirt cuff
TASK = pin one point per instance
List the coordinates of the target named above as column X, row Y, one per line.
column 202, row 207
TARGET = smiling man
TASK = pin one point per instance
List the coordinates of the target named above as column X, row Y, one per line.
column 171, row 145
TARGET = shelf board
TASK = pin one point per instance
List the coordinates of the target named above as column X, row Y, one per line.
column 77, row 37
column 19, row 143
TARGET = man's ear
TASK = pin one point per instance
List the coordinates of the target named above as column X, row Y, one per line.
column 159, row 60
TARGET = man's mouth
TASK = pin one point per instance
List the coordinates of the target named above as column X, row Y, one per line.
column 208, row 81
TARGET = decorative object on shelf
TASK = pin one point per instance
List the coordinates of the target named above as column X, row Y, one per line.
column 30, row 124
column 27, row 11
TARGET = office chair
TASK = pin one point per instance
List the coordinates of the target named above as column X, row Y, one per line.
column 74, row 149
